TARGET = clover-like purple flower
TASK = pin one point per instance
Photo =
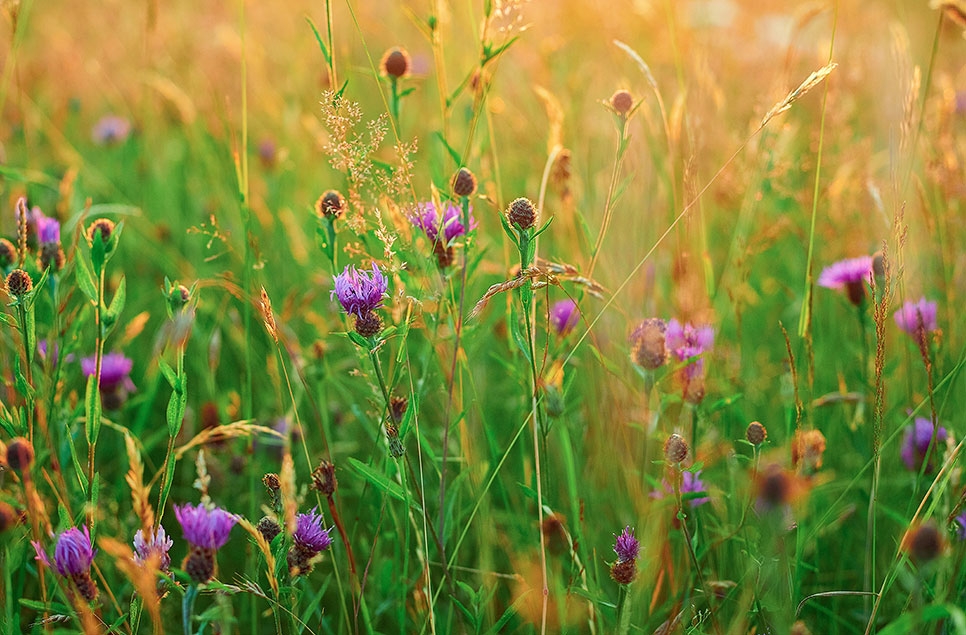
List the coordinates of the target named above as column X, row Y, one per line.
column 110, row 129
column 309, row 533
column 564, row 316
column 691, row 483
column 203, row 527
column 156, row 544
column 427, row 218
column 851, row 274
column 686, row 341
column 626, row 546
column 360, row 292
column 916, row 442
column 907, row 318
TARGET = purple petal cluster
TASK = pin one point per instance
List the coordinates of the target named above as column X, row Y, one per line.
column 685, row 341
column 691, row 483
column 48, row 229
column 428, row 219
column 916, row 441
column 360, row 292
column 156, row 544
column 564, row 316
column 115, row 371
column 846, row 272
column 961, row 526
column 73, row 554
column 203, row 527
column 110, row 129
column 626, row 546
column 309, row 533
column 907, row 318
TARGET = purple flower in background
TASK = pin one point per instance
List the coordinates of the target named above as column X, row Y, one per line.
column 851, row 275
column 48, row 230
column 157, row 544
column 961, row 526
column 685, row 341
column 110, row 129
column 115, row 371
column 916, row 442
column 428, row 219
column 691, row 483
column 360, row 292
column 205, row 528
column 309, row 533
column 907, row 318
column 564, row 316
column 626, row 546
column 73, row 557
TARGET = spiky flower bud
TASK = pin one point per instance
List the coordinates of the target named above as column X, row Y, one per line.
column 675, row 449
column 8, row 253
column 104, row 227
column 52, row 256
column 396, row 63
column 648, row 344
column 622, row 102
column 19, row 283
column 323, row 478
column 268, row 527
column 756, row 433
column 331, row 204
column 20, row 454
column 464, row 182
column 522, row 214
column 178, row 297
column 397, row 407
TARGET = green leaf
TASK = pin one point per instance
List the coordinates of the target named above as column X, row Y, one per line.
column 98, row 253
column 92, row 409
column 380, row 481
column 117, row 302
column 40, row 607
column 9, row 320
column 359, row 340
column 318, row 38
column 168, row 372
column 75, row 459
column 449, row 149
column 85, row 279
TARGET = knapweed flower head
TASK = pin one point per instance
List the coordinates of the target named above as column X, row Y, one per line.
column 691, row 484
column 916, row 441
column 924, row 543
column 395, row 63
column 203, row 527
column 360, row 292
column 909, row 316
column 156, row 545
column 685, row 341
column 309, row 539
column 627, row 548
column 564, row 316
column 444, row 227
column 110, row 129
column 649, row 343
column 73, row 557
column 851, row 274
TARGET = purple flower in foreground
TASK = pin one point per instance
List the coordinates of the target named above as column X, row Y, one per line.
column 961, row 526
column 564, row 316
column 685, row 341
column 691, row 483
column 851, row 274
column 110, row 129
column 626, row 546
column 359, row 291
column 916, row 441
column 203, row 527
column 157, row 544
column 907, row 318
column 309, row 540
column 428, row 219
column 73, row 557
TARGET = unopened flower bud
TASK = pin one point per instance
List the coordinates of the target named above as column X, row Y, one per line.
column 756, row 433
column 396, row 63
column 464, row 183
column 522, row 214
column 675, row 449
column 622, row 102
column 331, row 204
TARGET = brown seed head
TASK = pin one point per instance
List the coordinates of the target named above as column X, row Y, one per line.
column 756, row 433
column 331, row 204
column 924, row 543
column 102, row 226
column 272, row 482
column 522, row 214
column 268, row 527
column 19, row 283
column 8, row 253
column 622, row 102
column 648, row 347
column 464, row 183
column 52, row 255
column 675, row 449
column 323, row 478
column 396, row 63
column 624, row 571
column 368, row 324
column 20, row 454
column 776, row 486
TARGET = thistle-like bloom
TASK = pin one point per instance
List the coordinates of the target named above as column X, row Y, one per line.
column 691, row 483
column 907, row 318
column 564, row 316
column 309, row 540
column 428, row 219
column 627, row 549
column 916, row 442
column 157, row 545
column 73, row 557
column 685, row 341
column 110, row 129
column 360, row 292
column 207, row 530
column 115, row 378
column 851, row 275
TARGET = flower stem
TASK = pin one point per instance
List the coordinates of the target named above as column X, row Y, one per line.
column 187, row 608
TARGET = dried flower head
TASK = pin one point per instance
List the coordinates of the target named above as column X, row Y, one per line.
column 522, row 214
column 564, row 316
column 916, row 444
column 155, row 545
column 323, row 478
column 464, row 182
column 331, row 204
column 675, row 449
column 622, row 102
column 909, row 317
column 103, row 226
column 8, row 253
column 271, row 482
column 19, row 283
column 396, row 63
column 851, row 275
column 808, row 447
column 73, row 557
column 268, row 527
column 52, row 256
column 20, row 454
column 397, row 407
column 756, row 433
column 924, row 543
column 648, row 344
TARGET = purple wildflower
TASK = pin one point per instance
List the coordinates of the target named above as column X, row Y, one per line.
column 110, row 129
column 850, row 274
column 907, row 318
column 961, row 526
column 428, row 219
column 691, row 483
column 115, row 371
column 73, row 557
column 916, row 441
column 626, row 546
column 685, row 341
column 360, row 292
column 157, row 544
column 48, row 230
column 309, row 533
column 203, row 527
column 564, row 316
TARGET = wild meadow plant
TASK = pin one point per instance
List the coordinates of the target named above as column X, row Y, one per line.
column 364, row 318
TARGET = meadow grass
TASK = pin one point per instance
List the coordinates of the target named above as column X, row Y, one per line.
column 482, row 317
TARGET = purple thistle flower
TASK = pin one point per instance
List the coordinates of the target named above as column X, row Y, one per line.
column 564, row 316
column 626, row 546
column 907, row 318
column 110, row 129
column 685, row 341
column 48, row 230
column 428, row 219
column 203, row 527
column 309, row 533
column 115, row 371
column 916, row 441
column 73, row 554
column 850, row 274
column 961, row 526
column 691, row 483
column 157, row 544
column 360, row 292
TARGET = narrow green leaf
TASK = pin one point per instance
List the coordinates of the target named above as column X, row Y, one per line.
column 380, row 481
column 92, row 409
column 85, row 278
column 318, row 38
column 449, row 149
column 117, row 302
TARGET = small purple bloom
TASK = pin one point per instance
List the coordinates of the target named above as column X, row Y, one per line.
column 360, row 292
column 157, row 544
column 73, row 554
column 203, row 527
column 564, row 316
column 916, row 441
column 428, row 219
column 115, row 371
column 309, row 533
column 685, row 341
column 851, row 274
column 961, row 526
column 110, row 129
column 691, row 483
column 627, row 547
column 48, row 230
column 907, row 318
